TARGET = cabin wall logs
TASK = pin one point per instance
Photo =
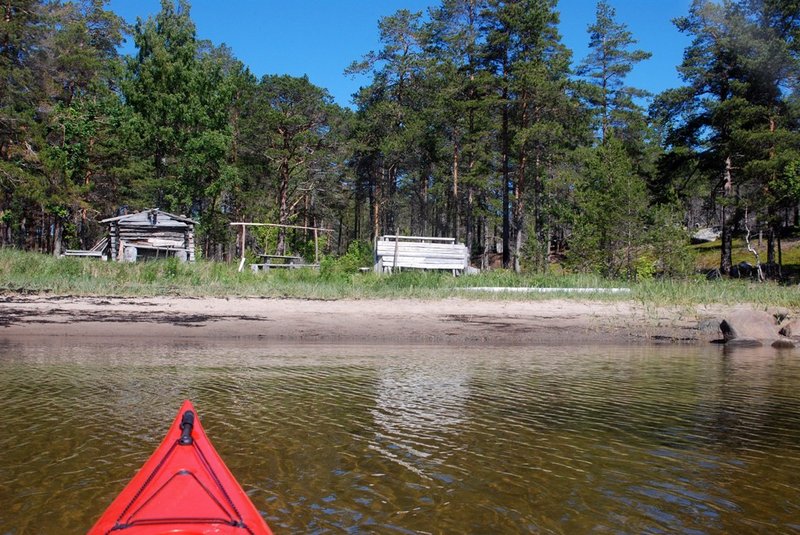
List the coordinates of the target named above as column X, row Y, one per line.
column 150, row 241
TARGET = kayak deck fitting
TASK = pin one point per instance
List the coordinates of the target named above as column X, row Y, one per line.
column 184, row 487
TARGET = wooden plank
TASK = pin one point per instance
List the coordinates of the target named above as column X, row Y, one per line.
column 76, row 252
column 430, row 259
column 153, row 247
column 415, row 245
column 407, row 254
column 160, row 242
column 175, row 234
column 423, row 262
column 277, row 225
column 267, row 265
column 100, row 245
column 417, row 254
column 143, row 218
column 393, row 238
column 423, row 259
column 386, row 251
column 514, row 289
column 424, row 265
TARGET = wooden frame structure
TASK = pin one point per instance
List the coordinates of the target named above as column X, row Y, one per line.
column 244, row 226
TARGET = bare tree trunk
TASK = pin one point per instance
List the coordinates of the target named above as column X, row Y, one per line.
column 58, row 232
column 519, row 195
column 486, row 245
column 506, row 142
column 505, row 176
column 752, row 250
column 519, row 212
column 376, row 203
column 454, row 208
column 357, row 218
column 469, row 238
column 283, row 207
column 390, row 214
column 725, row 262
column 424, row 205
column 771, row 243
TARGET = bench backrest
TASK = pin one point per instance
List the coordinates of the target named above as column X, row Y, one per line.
column 421, row 253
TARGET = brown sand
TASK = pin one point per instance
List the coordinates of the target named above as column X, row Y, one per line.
column 450, row 321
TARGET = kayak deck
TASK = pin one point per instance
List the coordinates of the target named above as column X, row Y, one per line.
column 183, row 488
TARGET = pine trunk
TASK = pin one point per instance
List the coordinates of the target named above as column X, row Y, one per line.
column 725, row 262
column 283, row 207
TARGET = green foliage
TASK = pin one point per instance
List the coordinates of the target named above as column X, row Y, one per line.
column 288, row 136
column 645, row 267
column 609, row 230
column 733, row 118
column 668, row 243
column 359, row 254
column 181, row 98
column 605, row 68
column 472, row 123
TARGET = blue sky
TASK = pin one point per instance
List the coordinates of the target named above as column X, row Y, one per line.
column 320, row 38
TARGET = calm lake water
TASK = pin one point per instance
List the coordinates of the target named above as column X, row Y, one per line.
column 415, row 440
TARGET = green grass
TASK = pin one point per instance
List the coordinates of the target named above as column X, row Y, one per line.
column 22, row 272
column 708, row 253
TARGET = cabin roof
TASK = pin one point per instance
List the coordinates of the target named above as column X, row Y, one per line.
column 143, row 217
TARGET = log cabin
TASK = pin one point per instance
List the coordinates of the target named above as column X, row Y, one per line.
column 150, row 234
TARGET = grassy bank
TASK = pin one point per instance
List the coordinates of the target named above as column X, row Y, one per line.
column 22, row 272
column 707, row 255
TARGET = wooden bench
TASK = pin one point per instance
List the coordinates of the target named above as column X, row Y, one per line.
column 281, row 261
column 97, row 251
column 85, row 254
column 416, row 252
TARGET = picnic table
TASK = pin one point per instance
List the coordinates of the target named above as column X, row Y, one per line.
column 280, row 261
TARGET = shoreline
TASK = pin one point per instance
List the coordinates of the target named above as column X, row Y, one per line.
column 452, row 322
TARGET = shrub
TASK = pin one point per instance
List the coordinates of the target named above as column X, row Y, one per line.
column 359, row 254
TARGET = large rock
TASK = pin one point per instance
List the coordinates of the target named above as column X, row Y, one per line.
column 743, row 270
column 752, row 328
column 705, row 235
column 709, row 326
column 791, row 329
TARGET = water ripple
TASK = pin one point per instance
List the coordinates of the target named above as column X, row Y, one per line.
column 416, row 440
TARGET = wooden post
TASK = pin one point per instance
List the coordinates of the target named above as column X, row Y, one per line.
column 396, row 245
column 244, row 235
column 316, row 247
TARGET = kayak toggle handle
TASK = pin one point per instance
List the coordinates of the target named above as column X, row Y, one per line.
column 187, row 423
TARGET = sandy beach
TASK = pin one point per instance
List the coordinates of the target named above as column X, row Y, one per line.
column 450, row 321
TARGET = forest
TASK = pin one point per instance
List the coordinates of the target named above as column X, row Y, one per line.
column 477, row 124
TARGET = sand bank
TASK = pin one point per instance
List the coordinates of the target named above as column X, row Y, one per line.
column 406, row 321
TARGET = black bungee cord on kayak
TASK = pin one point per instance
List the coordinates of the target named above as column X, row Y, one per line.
column 186, row 426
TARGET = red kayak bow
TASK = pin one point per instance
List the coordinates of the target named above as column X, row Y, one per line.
column 183, row 488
